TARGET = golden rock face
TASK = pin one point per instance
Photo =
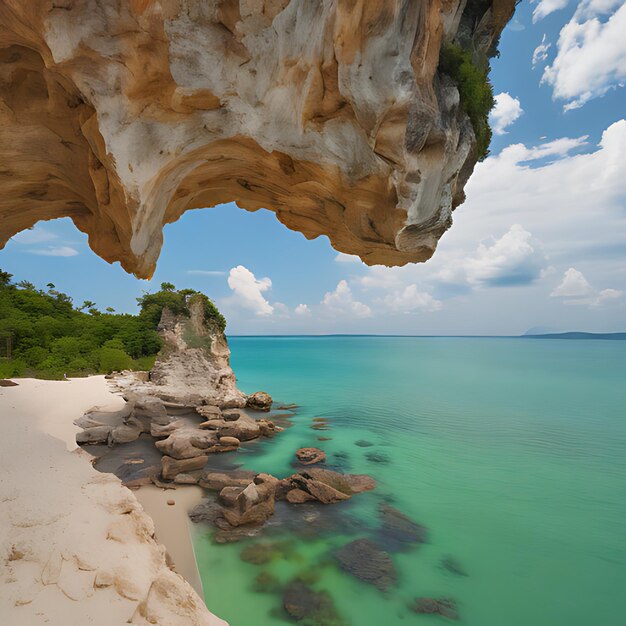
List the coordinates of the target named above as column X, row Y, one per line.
column 124, row 114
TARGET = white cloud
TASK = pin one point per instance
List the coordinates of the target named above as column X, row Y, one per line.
column 505, row 111
column 540, row 53
column 573, row 284
column 206, row 272
column 591, row 53
column 248, row 290
column 34, row 235
column 410, row 300
column 545, row 7
column 514, row 259
column 302, row 309
column 63, row 251
column 341, row 301
column 576, row 290
column 347, row 258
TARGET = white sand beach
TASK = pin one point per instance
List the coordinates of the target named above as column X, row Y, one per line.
column 76, row 546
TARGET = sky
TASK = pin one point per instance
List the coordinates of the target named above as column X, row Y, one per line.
column 540, row 242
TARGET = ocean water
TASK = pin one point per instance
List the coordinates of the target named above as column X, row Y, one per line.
column 512, row 452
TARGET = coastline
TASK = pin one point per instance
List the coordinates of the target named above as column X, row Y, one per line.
column 77, row 534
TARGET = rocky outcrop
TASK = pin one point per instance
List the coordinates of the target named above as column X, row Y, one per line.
column 193, row 367
column 122, row 116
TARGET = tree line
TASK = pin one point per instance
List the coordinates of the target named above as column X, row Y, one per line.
column 43, row 334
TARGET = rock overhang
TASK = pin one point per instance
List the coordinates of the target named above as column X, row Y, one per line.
column 331, row 114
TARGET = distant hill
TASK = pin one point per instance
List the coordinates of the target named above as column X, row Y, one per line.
column 578, row 335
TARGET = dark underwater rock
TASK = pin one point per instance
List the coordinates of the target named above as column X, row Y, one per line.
column 368, row 562
column 362, row 443
column 436, row 606
column 303, row 604
column 377, row 457
column 453, row 566
column 397, row 531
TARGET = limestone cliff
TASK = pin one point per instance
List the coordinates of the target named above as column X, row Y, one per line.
column 193, row 367
column 122, row 115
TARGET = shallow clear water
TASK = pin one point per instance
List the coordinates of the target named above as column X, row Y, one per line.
column 512, row 452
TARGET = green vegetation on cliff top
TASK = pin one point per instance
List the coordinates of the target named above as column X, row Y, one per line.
column 43, row 334
column 475, row 91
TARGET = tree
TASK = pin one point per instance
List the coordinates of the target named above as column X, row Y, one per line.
column 87, row 304
column 51, row 286
column 110, row 309
column 168, row 287
column 5, row 279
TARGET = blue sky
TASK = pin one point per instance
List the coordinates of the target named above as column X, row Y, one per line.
column 540, row 241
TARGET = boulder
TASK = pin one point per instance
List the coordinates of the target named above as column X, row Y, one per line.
column 216, row 481
column 310, row 456
column 259, row 401
column 150, row 408
column 377, row 457
column 7, row 383
column 229, row 495
column 171, row 468
column 254, row 505
column 187, row 478
column 229, row 441
column 436, row 606
column 325, row 493
column 298, row 496
column 159, row 431
column 209, row 412
column 95, row 435
column 365, row 560
column 268, row 428
column 232, row 415
column 346, row 483
column 186, row 443
column 362, row 443
column 125, row 433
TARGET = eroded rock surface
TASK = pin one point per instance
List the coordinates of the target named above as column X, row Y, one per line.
column 124, row 115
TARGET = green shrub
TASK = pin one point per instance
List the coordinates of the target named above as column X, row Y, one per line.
column 475, row 91
column 113, row 359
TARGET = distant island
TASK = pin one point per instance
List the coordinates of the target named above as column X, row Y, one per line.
column 577, row 335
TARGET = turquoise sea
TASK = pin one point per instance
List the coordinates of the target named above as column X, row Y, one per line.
column 512, row 452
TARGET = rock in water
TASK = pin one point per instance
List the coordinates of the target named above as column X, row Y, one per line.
column 259, row 401
column 7, row 383
column 397, row 530
column 303, row 604
column 365, row 560
column 198, row 104
column 453, row 566
column 431, row 606
column 310, row 456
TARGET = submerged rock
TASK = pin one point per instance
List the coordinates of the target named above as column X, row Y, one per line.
column 303, row 604
column 397, row 530
column 266, row 582
column 433, row 606
column 362, row 443
column 368, row 562
column 453, row 566
column 377, row 457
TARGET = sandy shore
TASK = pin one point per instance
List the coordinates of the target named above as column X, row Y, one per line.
column 76, row 546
